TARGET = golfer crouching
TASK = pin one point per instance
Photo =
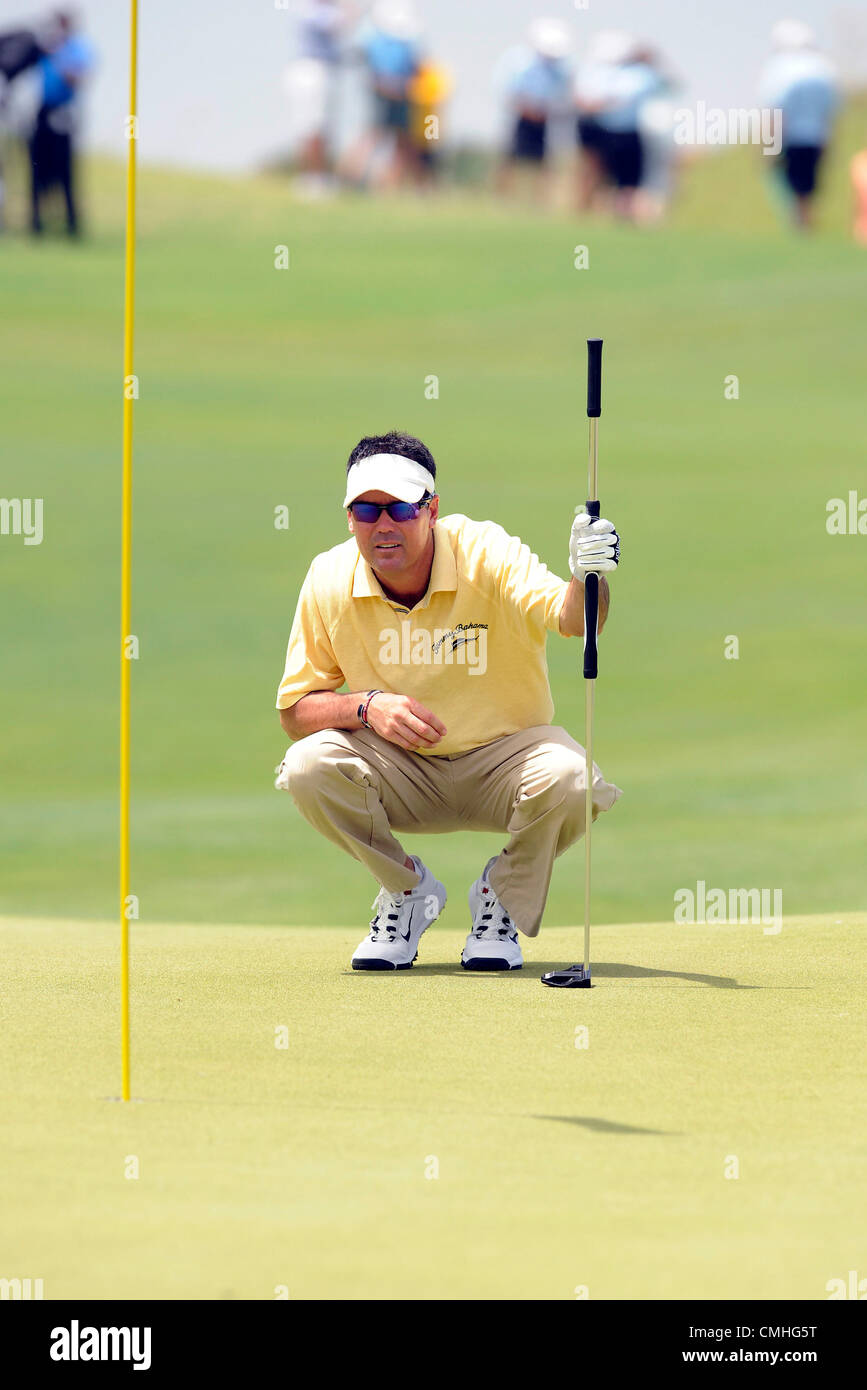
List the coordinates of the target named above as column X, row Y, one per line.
column 437, row 625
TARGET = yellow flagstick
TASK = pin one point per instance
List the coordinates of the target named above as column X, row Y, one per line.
column 126, row 545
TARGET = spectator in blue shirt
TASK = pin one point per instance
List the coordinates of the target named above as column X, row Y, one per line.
column 593, row 81
column 623, row 83
column 536, row 81
column 800, row 82
column 389, row 43
column 65, row 65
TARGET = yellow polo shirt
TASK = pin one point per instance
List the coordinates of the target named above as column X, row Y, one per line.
column 472, row 650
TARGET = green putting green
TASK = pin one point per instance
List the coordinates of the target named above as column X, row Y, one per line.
column 310, row 1166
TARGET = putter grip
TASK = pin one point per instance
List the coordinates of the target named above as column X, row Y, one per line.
column 594, row 377
column 591, row 612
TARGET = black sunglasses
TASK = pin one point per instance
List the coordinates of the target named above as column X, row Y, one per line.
column 369, row 512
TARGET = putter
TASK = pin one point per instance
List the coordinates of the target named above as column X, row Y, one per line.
column 578, row 976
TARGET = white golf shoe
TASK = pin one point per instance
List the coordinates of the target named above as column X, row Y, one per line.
column 493, row 942
column 399, row 919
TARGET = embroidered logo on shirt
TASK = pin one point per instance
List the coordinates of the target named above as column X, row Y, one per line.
column 442, row 647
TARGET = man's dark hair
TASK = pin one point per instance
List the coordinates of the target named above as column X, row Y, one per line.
column 395, row 442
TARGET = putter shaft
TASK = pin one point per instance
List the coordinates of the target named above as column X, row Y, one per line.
column 590, row 685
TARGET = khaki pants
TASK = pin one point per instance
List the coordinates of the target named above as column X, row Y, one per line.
column 356, row 789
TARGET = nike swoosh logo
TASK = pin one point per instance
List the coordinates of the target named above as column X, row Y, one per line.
column 409, row 925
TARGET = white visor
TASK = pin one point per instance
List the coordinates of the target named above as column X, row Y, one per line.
column 392, row 473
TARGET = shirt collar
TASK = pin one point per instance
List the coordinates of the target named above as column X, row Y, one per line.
column 443, row 575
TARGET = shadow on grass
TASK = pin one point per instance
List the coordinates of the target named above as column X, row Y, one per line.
column 616, row 971
column 599, row 970
column 604, row 1126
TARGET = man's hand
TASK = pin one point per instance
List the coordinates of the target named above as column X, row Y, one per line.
column 594, row 547
column 404, row 721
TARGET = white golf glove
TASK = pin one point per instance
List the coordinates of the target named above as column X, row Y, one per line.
column 594, row 546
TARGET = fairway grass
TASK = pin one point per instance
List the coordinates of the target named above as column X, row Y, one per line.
column 255, row 383
column 559, row 1166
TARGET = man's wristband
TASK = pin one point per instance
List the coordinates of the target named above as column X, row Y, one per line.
column 362, row 708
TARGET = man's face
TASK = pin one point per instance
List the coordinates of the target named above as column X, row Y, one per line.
column 393, row 546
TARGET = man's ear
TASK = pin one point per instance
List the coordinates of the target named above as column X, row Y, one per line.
column 349, row 520
column 434, row 509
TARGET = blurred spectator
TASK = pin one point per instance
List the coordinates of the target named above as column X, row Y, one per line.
column 593, row 84
column 656, row 120
column 536, row 80
column 429, row 90
column 389, row 44
column 312, row 88
column 19, row 51
column 800, row 82
column 630, row 79
column 64, row 66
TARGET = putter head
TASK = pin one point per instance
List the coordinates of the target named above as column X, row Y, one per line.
column 570, row 977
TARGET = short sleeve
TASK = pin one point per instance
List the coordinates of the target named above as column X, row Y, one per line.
column 523, row 581
column 310, row 660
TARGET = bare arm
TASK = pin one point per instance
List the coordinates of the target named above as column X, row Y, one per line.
column 398, row 718
column 322, row 709
column 572, row 612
